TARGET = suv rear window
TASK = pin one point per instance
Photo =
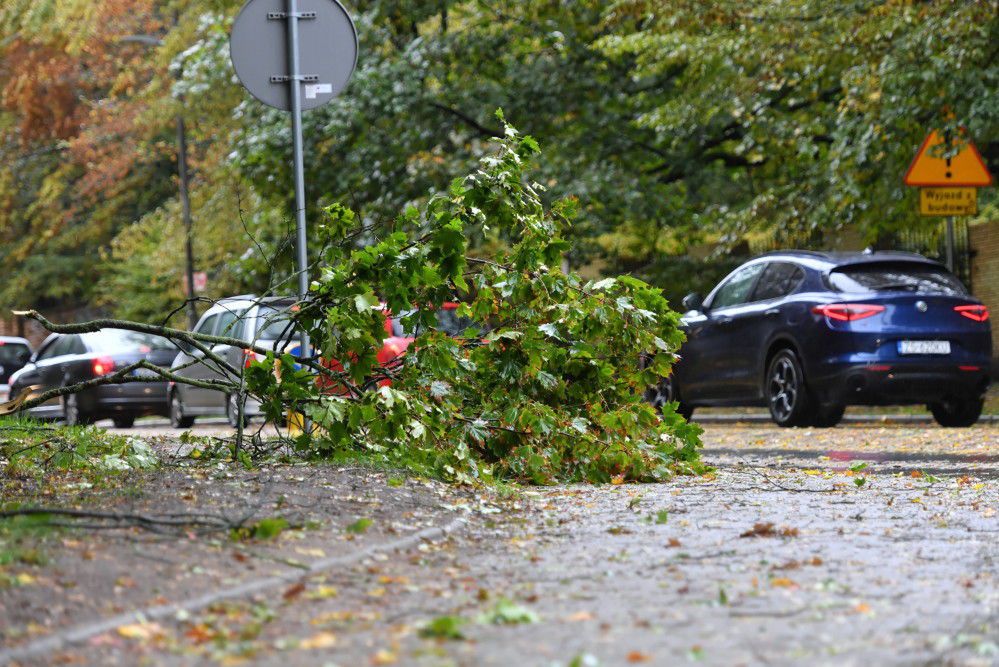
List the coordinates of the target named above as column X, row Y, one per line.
column 916, row 278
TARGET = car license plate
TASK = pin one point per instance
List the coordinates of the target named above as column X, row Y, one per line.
column 924, row 347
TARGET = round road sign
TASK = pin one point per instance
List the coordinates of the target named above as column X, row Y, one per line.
column 327, row 51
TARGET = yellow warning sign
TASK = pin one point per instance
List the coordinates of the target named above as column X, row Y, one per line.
column 966, row 169
column 948, row 201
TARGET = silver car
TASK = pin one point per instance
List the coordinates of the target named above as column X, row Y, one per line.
column 263, row 321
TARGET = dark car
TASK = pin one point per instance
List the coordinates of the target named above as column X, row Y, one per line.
column 808, row 333
column 64, row 360
column 14, row 354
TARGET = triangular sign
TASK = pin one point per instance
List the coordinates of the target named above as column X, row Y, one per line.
column 966, row 169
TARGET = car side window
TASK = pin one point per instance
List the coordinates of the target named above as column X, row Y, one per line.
column 65, row 346
column 737, row 288
column 48, row 351
column 779, row 279
column 208, row 326
column 230, row 322
column 74, row 345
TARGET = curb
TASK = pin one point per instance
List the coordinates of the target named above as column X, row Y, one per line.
column 849, row 419
column 80, row 633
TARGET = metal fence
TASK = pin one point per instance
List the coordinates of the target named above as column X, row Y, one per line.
column 928, row 241
column 933, row 244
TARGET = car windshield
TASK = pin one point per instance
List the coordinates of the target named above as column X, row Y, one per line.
column 448, row 321
column 12, row 354
column 274, row 324
column 115, row 340
column 916, row 278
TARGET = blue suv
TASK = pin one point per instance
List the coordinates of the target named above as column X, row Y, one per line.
column 808, row 333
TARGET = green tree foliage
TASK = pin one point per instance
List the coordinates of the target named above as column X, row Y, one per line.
column 802, row 115
column 671, row 122
column 552, row 392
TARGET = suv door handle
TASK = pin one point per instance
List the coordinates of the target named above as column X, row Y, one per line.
column 771, row 312
column 722, row 321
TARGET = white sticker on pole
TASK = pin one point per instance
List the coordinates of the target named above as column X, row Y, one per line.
column 313, row 89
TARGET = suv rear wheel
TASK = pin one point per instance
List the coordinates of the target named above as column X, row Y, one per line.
column 957, row 412
column 787, row 396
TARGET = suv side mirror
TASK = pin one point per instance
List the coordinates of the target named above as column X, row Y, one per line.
column 693, row 301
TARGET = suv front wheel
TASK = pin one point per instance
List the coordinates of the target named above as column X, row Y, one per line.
column 787, row 396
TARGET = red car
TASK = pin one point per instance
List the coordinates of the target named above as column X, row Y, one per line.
column 399, row 340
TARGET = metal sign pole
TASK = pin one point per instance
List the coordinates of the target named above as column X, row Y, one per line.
column 950, row 244
column 295, row 88
column 268, row 56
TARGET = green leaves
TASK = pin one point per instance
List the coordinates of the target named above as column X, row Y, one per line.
column 264, row 529
column 360, row 526
column 444, row 627
column 535, row 376
column 506, row 612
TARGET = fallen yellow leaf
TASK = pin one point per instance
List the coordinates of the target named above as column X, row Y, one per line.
column 783, row 582
column 318, row 553
column 322, row 593
column 321, row 640
column 142, row 631
column 384, row 657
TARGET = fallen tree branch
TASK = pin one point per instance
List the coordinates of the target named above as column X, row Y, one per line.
column 126, row 520
column 27, row 399
column 194, row 339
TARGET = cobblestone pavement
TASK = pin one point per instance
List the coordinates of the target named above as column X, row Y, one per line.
column 861, row 545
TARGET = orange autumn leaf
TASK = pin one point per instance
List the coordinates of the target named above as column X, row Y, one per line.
column 638, row 656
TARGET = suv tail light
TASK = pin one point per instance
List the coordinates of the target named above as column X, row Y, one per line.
column 847, row 312
column 975, row 312
column 102, row 366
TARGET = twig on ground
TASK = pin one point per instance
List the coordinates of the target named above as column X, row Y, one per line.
column 113, row 520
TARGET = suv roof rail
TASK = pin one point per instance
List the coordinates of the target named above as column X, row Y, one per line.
column 806, row 253
column 899, row 253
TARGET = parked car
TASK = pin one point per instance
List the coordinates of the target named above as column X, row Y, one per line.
column 808, row 333
column 14, row 354
column 264, row 321
column 64, row 360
